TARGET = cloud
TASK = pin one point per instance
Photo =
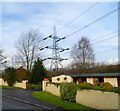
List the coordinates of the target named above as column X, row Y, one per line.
column 19, row 17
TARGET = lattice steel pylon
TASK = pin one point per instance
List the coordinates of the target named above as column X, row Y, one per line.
column 55, row 62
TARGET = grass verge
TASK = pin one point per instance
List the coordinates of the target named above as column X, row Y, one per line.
column 9, row 87
column 52, row 99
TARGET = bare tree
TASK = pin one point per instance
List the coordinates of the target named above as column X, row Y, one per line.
column 28, row 48
column 1, row 56
column 2, row 59
column 82, row 53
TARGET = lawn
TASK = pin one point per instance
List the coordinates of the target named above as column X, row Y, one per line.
column 10, row 87
column 52, row 99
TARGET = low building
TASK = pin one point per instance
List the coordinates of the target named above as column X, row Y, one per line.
column 95, row 79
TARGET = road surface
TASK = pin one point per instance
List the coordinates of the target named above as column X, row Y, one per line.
column 22, row 99
column 8, row 103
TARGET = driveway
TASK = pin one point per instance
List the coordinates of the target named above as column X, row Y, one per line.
column 25, row 96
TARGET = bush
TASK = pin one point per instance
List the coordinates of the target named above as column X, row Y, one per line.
column 117, row 90
column 68, row 91
column 35, row 87
column 86, row 86
column 99, row 88
column 10, row 76
column 56, row 84
column 106, row 86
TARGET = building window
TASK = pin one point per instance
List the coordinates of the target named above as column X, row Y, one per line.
column 84, row 79
column 101, row 79
column 58, row 79
column 65, row 78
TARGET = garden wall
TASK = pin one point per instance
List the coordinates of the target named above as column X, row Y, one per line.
column 22, row 84
column 97, row 99
column 91, row 98
column 51, row 88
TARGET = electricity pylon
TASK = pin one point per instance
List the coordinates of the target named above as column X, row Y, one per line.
column 56, row 60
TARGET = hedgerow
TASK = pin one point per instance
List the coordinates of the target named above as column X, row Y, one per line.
column 68, row 91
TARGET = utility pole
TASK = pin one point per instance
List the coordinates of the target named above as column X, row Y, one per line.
column 56, row 60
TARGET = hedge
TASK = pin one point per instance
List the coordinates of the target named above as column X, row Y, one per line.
column 35, row 87
column 68, row 90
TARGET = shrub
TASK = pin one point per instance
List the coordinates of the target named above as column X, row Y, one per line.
column 56, row 84
column 35, row 87
column 10, row 76
column 106, row 86
column 86, row 85
column 117, row 90
column 68, row 91
column 98, row 88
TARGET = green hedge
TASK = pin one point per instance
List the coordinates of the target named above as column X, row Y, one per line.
column 85, row 86
column 68, row 91
column 56, row 84
column 35, row 87
column 106, row 86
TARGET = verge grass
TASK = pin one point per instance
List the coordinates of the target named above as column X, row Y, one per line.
column 9, row 87
column 52, row 99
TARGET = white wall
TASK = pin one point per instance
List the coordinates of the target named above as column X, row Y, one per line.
column 112, row 81
column 90, row 80
column 61, row 77
column 97, row 99
column 51, row 88
column 90, row 98
column 44, row 85
column 1, row 81
column 22, row 84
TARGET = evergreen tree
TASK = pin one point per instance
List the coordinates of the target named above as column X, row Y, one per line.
column 38, row 72
column 10, row 76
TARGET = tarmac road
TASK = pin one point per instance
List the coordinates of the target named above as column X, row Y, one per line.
column 22, row 99
column 13, row 104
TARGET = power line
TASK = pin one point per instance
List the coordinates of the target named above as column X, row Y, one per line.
column 92, row 6
column 104, row 51
column 104, row 35
column 60, row 18
column 93, row 22
column 104, row 39
column 88, row 25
